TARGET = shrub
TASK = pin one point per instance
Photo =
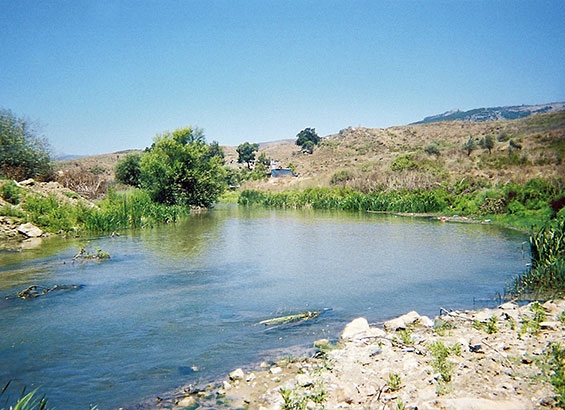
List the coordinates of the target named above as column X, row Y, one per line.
column 341, row 176
column 432, row 149
column 10, row 193
column 128, row 170
column 23, row 153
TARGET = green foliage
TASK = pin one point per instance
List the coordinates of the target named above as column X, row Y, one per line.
column 441, row 327
column 264, row 159
column 128, row 170
column 292, row 400
column 308, row 139
column 470, row 145
column 557, row 366
column 246, row 153
column 491, row 325
column 440, row 353
column 404, row 163
column 27, row 402
column 488, row 143
column 341, row 177
column 405, row 336
column 23, row 153
column 432, row 148
column 394, row 381
column 562, row 318
column 10, row 192
column 178, row 170
column 532, row 325
column 546, row 276
column 216, row 150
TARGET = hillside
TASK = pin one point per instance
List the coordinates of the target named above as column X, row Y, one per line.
column 425, row 155
column 410, row 156
column 494, row 113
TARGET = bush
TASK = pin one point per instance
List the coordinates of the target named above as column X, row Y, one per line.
column 128, row 170
column 10, row 193
column 23, row 154
column 432, row 149
column 182, row 172
column 341, row 176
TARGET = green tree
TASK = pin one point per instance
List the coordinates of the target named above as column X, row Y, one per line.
column 307, row 139
column 216, row 150
column 23, row 153
column 128, row 170
column 469, row 145
column 246, row 153
column 264, row 159
column 488, row 143
column 179, row 170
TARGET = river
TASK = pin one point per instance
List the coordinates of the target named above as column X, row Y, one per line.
column 190, row 294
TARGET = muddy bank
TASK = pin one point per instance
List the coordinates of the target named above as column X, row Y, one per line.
column 489, row 359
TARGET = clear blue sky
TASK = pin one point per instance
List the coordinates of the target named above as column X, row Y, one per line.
column 102, row 76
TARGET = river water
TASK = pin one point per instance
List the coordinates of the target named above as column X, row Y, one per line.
column 190, row 294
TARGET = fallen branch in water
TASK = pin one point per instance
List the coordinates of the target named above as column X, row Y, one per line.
column 35, row 291
column 283, row 320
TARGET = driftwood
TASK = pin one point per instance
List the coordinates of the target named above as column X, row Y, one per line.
column 283, row 320
column 35, row 291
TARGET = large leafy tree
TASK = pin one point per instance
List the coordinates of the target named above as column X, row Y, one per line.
column 23, row 152
column 307, row 139
column 246, row 153
column 179, row 169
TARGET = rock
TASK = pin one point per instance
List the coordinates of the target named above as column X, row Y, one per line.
column 345, row 394
column 508, row 306
column 354, row 328
column 476, row 403
column 275, row 370
column 402, row 322
column 263, row 365
column 310, row 405
column 237, row 374
column 475, row 345
column 303, row 380
column 30, row 230
column 426, row 321
column 550, row 325
column 27, row 182
column 226, row 385
column 250, row 377
column 186, row 402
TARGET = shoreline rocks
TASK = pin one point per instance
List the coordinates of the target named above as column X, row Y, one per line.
column 487, row 359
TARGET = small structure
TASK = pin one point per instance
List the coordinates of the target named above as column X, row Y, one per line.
column 282, row 172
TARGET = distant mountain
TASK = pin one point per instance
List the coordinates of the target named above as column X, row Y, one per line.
column 66, row 157
column 494, row 113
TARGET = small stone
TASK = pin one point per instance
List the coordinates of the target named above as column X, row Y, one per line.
column 402, row 322
column 237, row 374
column 263, row 365
column 226, row 385
column 27, row 182
column 275, row 370
column 426, row 321
column 250, row 377
column 508, row 306
column 355, row 327
column 475, row 346
column 310, row 405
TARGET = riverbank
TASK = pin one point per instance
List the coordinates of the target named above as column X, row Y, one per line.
column 489, row 359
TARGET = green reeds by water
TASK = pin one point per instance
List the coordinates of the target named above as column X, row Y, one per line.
column 420, row 201
column 546, row 275
column 129, row 209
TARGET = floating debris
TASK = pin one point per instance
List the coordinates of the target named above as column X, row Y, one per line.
column 99, row 254
column 35, row 291
column 283, row 320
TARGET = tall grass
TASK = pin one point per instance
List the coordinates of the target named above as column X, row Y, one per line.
column 420, row 201
column 130, row 209
column 546, row 276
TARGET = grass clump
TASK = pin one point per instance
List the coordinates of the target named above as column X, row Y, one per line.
column 394, row 381
column 440, row 364
column 533, row 325
column 405, row 336
column 10, row 193
column 546, row 276
column 557, row 377
column 28, row 401
column 441, row 327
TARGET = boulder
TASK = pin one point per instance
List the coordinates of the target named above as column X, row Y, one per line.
column 355, row 327
column 303, row 380
column 275, row 370
column 402, row 322
column 186, row 402
column 30, row 230
column 237, row 374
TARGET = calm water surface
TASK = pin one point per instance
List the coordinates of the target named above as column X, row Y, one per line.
column 188, row 295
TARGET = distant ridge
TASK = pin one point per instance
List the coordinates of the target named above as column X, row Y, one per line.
column 494, row 113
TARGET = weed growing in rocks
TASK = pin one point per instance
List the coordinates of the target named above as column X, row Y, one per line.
column 532, row 326
column 491, row 325
column 440, row 353
column 512, row 323
column 394, row 381
column 441, row 327
column 557, row 366
column 562, row 318
column 400, row 405
column 292, row 399
column 405, row 336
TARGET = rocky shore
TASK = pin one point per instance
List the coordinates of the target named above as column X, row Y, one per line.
column 490, row 359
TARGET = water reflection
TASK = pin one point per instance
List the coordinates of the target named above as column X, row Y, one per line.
column 188, row 295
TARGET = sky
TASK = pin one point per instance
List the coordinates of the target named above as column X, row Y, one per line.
column 101, row 76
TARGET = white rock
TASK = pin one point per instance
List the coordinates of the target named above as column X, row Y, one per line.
column 237, row 374
column 550, row 325
column 250, row 377
column 402, row 322
column 304, row 380
column 355, row 327
column 275, row 370
column 426, row 321
column 29, row 230
column 226, row 385
column 186, row 402
column 508, row 306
